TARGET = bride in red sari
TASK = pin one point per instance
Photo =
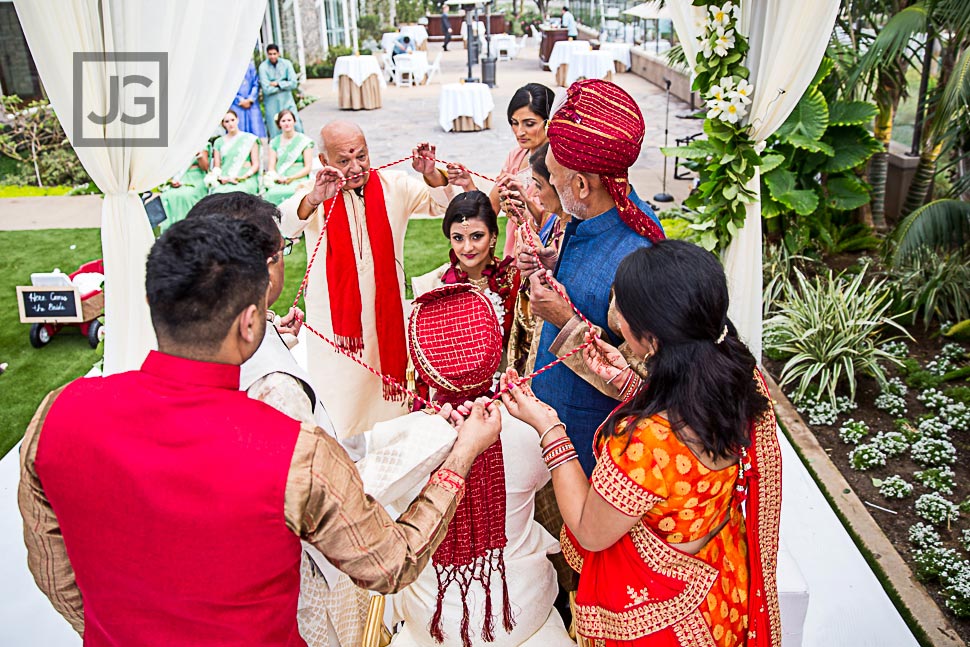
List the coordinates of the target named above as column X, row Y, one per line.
column 675, row 535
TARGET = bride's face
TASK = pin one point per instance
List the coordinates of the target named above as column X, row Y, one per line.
column 472, row 243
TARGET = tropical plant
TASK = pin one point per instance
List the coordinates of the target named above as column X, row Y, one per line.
column 940, row 225
column 933, row 285
column 809, row 174
column 830, row 328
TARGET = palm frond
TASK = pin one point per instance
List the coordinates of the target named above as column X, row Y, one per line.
column 953, row 99
column 893, row 41
column 939, row 224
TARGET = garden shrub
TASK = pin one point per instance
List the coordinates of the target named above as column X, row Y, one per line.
column 936, row 509
column 916, row 377
column 934, row 428
column 933, row 399
column 934, row 284
column 865, row 457
column 933, row 452
column 965, row 540
column 953, row 352
column 935, row 561
column 895, row 386
column 940, row 366
column 939, row 479
column 892, row 404
column 959, row 394
column 957, row 416
column 852, row 431
column 890, row 443
column 957, row 594
column 895, row 487
column 832, row 326
column 923, row 536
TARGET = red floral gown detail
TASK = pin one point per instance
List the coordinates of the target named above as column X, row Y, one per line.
column 642, row 591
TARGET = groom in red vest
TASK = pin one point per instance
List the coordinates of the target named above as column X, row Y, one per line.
column 165, row 507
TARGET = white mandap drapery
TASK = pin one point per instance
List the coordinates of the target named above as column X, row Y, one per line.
column 208, row 46
column 787, row 41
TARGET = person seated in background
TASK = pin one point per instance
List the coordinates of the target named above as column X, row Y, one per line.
column 185, row 189
column 235, row 164
column 402, row 45
column 490, row 583
column 290, row 160
column 470, row 225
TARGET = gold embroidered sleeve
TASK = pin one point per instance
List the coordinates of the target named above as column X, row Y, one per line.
column 626, row 477
column 326, row 505
column 46, row 555
column 572, row 335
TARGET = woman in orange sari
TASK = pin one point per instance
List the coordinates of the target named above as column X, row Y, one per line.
column 675, row 535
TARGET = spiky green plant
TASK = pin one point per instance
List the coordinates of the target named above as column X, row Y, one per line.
column 830, row 327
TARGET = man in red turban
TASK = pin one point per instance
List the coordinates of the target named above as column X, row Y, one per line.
column 594, row 139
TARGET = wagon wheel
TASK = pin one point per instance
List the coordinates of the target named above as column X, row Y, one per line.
column 95, row 333
column 40, row 335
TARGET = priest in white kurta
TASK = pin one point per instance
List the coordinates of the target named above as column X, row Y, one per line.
column 355, row 398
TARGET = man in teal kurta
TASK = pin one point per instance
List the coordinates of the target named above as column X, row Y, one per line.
column 277, row 78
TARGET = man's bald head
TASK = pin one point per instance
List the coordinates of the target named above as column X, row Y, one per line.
column 344, row 147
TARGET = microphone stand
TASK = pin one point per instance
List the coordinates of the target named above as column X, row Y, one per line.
column 663, row 196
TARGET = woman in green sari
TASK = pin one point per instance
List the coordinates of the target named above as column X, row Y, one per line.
column 290, row 157
column 235, row 159
column 185, row 189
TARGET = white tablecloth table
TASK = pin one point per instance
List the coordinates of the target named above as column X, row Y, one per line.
column 589, row 65
column 473, row 100
column 620, row 52
column 562, row 50
column 388, row 40
column 358, row 80
column 418, row 34
column 505, row 42
column 419, row 65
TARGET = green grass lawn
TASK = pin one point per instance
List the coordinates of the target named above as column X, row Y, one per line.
column 32, row 373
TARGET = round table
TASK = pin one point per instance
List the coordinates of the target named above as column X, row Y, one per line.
column 465, row 107
column 418, row 34
column 559, row 57
column 621, row 55
column 358, row 80
column 589, row 65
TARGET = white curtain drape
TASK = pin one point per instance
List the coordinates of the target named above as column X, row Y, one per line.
column 208, row 45
column 787, row 41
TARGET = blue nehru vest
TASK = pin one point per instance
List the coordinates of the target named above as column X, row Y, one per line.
column 591, row 251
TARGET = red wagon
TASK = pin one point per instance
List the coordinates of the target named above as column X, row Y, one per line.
column 55, row 301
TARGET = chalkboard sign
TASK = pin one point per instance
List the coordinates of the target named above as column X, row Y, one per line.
column 48, row 304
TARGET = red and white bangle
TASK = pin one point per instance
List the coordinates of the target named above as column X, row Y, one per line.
column 448, row 480
column 630, row 386
column 558, row 453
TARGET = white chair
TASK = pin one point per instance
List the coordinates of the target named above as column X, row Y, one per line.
column 435, row 67
column 388, row 67
column 403, row 70
column 506, row 49
column 521, row 45
column 536, row 36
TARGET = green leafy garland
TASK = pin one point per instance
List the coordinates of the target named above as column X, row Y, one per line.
column 728, row 157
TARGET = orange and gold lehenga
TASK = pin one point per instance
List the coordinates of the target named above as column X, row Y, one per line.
column 644, row 592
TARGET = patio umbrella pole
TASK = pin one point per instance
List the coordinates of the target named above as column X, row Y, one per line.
column 663, row 196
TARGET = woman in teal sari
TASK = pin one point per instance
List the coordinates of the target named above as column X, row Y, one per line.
column 290, row 157
column 235, row 159
column 185, row 189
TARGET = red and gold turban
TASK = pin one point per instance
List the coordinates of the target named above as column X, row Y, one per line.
column 455, row 341
column 456, row 346
column 599, row 129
